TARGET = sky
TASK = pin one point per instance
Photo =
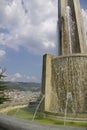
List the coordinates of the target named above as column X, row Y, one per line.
column 28, row 30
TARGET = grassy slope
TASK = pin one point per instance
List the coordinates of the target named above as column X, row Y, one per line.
column 26, row 113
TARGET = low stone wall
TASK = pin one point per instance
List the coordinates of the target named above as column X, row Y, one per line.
column 10, row 123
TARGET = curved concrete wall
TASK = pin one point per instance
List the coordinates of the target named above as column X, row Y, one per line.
column 65, row 83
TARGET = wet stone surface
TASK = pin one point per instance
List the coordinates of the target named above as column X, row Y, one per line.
column 69, row 84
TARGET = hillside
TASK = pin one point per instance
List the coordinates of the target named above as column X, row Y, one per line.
column 23, row 86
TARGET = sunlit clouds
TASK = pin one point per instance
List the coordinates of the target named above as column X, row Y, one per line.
column 28, row 29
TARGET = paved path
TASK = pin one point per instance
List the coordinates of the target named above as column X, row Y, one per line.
column 11, row 123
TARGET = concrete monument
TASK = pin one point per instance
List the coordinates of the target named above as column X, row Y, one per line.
column 72, row 37
column 64, row 77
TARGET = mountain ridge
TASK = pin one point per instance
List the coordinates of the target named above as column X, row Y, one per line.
column 23, row 86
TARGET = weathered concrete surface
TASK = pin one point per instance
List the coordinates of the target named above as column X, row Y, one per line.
column 63, row 76
column 10, row 123
column 46, row 81
column 77, row 34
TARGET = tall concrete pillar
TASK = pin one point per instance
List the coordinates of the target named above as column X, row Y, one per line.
column 72, row 23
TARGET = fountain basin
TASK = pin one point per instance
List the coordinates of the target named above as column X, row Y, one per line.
column 65, row 77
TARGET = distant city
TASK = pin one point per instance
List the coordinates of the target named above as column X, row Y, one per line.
column 21, row 93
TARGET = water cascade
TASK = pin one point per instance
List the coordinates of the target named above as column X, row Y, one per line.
column 37, row 108
column 66, row 75
column 69, row 27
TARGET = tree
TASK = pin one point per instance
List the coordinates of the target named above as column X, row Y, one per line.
column 3, row 87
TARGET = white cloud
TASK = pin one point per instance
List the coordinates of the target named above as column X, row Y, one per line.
column 17, row 77
column 31, row 78
column 30, row 23
column 2, row 54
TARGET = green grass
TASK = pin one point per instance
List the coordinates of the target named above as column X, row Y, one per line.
column 77, row 124
column 27, row 113
column 21, row 113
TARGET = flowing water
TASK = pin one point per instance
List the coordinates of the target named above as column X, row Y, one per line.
column 71, row 30
column 68, row 76
column 69, row 22
column 37, row 108
column 68, row 98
